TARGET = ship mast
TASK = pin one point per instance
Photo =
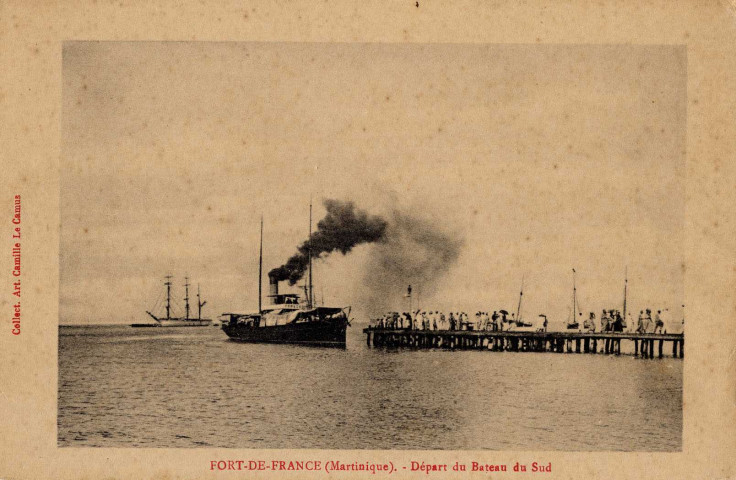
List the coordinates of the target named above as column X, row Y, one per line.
column 521, row 294
column 168, row 296
column 260, row 271
column 626, row 284
column 574, row 298
column 310, row 297
column 186, row 295
column 200, row 304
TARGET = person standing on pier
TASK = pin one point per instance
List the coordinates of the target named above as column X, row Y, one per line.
column 494, row 319
column 504, row 319
column 640, row 324
column 618, row 324
column 589, row 324
column 648, row 323
column 658, row 323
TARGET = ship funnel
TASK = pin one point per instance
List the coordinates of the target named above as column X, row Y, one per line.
column 273, row 288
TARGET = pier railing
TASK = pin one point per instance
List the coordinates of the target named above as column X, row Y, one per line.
column 646, row 345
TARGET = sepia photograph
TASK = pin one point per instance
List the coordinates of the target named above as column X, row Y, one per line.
column 372, row 246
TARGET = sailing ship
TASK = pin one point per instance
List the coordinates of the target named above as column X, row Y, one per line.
column 187, row 320
column 287, row 319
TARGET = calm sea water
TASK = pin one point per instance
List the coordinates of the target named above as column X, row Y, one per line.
column 192, row 387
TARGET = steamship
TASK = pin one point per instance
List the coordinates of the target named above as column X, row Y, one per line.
column 186, row 320
column 286, row 319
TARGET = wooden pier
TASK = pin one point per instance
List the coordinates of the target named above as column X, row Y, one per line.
column 646, row 345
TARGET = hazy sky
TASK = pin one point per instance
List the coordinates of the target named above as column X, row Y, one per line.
column 540, row 158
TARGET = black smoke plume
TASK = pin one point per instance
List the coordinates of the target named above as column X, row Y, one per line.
column 343, row 227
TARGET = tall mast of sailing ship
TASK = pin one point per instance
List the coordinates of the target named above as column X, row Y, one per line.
column 186, row 295
column 574, row 298
column 310, row 298
column 260, row 271
column 626, row 284
column 168, row 296
column 200, row 304
column 521, row 294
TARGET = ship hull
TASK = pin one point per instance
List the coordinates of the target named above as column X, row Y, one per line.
column 186, row 323
column 320, row 333
column 176, row 323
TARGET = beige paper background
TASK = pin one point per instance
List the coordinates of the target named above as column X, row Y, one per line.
column 30, row 99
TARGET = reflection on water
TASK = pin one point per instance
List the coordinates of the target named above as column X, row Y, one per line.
column 191, row 387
